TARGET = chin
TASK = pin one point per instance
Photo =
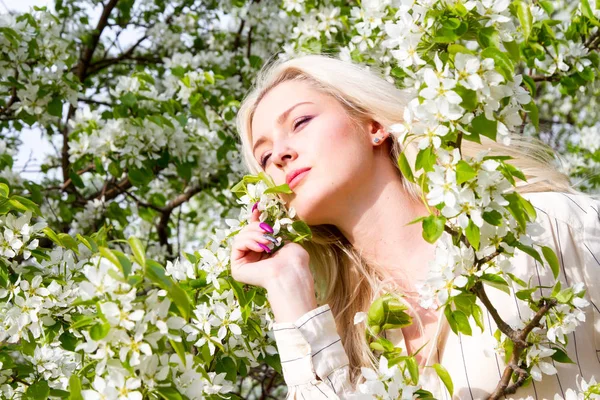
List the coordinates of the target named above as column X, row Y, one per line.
column 309, row 208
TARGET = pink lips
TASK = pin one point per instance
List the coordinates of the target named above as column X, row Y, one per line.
column 296, row 179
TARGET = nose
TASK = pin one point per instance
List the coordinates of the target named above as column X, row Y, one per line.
column 283, row 154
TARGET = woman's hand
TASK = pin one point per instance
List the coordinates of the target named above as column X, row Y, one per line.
column 285, row 275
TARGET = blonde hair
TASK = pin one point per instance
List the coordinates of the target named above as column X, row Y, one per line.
column 344, row 279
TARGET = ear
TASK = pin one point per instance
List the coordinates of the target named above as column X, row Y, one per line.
column 377, row 133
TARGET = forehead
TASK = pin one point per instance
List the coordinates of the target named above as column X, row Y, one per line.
column 279, row 99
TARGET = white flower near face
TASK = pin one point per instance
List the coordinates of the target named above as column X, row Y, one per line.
column 439, row 111
column 121, row 317
column 495, row 10
column 101, row 391
column 11, row 244
column 329, row 21
column 467, row 67
column 432, row 136
column 466, row 206
column 375, row 379
column 34, row 288
column 134, row 346
column 226, row 320
column 406, row 54
column 294, row 5
column 98, row 282
column 214, row 264
column 359, row 317
column 126, row 388
column 576, row 53
column 181, row 270
column 201, row 322
column 442, row 187
column 537, row 359
column 218, row 384
column 406, row 127
column 570, row 394
column 439, row 86
column 363, row 40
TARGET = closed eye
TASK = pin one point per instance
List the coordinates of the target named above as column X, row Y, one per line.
column 301, row 120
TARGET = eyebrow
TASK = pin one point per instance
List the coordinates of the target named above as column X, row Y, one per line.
column 280, row 120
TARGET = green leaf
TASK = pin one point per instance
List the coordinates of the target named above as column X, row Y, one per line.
column 26, row 203
column 513, row 50
column 484, row 126
column 445, row 377
column 525, row 18
column 387, row 312
column 473, row 234
column 552, row 259
column 478, row 316
column 138, row 250
column 587, row 11
column 492, row 217
column 405, row 167
column 38, row 391
column 502, row 62
column 529, row 250
column 156, row 273
column 469, row 98
column 99, row 331
column 425, row 159
column 433, row 227
column 179, row 349
column 82, row 321
column 3, row 275
column 55, row 107
column 496, row 281
column 284, row 188
column 111, row 255
column 128, row 99
column 462, row 322
column 4, row 190
column 534, row 114
column 464, row 172
column 450, row 319
column 168, row 393
column 413, row 369
column 530, row 83
column 560, row 356
column 227, row 365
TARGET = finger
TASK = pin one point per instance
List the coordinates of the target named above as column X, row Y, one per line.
column 255, row 216
column 242, row 246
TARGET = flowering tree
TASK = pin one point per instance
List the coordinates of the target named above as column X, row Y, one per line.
column 114, row 266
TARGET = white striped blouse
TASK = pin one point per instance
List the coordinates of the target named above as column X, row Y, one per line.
column 315, row 364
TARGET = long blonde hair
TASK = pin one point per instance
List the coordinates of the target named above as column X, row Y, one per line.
column 344, row 280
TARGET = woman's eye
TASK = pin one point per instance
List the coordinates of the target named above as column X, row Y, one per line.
column 300, row 121
column 263, row 162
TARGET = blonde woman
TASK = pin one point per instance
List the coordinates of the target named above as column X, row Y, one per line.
column 321, row 125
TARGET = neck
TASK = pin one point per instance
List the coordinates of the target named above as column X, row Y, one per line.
column 375, row 222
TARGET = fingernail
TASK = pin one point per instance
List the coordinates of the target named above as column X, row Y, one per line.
column 255, row 206
column 265, row 247
column 270, row 238
column 266, row 227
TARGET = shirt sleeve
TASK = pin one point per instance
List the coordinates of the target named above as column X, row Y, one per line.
column 313, row 360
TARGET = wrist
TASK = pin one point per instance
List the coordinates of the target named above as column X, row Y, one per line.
column 290, row 300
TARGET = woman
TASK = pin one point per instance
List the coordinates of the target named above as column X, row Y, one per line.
column 320, row 125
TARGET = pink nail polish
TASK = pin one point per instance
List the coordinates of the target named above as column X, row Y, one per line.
column 255, row 206
column 264, row 247
column 266, row 227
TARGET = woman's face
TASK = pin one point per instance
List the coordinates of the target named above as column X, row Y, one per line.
column 313, row 132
